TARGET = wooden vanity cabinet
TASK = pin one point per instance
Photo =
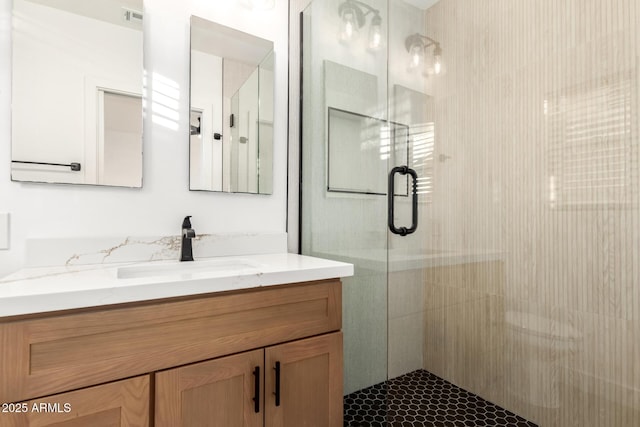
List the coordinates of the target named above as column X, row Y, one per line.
column 118, row 404
column 310, row 382
column 183, row 362
column 217, row 392
column 293, row 384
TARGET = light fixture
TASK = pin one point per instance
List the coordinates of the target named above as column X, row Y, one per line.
column 375, row 32
column 353, row 15
column 419, row 50
column 417, row 55
column 438, row 67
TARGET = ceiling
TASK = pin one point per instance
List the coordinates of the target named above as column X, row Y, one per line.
column 229, row 43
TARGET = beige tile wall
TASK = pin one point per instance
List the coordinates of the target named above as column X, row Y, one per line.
column 509, row 63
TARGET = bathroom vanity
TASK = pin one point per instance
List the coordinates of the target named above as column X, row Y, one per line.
column 267, row 353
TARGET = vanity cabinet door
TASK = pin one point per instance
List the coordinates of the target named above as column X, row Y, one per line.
column 117, row 404
column 215, row 393
column 309, row 389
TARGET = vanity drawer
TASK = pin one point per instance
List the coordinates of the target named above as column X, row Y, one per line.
column 57, row 353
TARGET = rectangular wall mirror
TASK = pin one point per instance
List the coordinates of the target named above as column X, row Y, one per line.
column 77, row 92
column 231, row 121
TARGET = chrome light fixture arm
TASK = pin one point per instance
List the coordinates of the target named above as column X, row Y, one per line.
column 422, row 41
column 356, row 7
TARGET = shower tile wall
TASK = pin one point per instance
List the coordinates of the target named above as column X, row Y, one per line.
column 406, row 321
column 538, row 112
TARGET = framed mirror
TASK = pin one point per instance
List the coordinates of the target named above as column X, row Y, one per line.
column 77, row 92
column 231, row 116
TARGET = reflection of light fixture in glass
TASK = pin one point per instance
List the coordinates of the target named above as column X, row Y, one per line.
column 351, row 22
column 417, row 56
column 438, row 67
column 353, row 15
column 375, row 32
column 418, row 47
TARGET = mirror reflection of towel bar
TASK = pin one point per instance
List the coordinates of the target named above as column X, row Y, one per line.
column 74, row 166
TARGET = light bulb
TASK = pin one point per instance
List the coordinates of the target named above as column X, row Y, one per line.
column 438, row 66
column 416, row 55
column 349, row 26
column 348, row 29
column 375, row 33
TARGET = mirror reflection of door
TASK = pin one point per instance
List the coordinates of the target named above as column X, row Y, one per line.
column 205, row 153
column 119, row 139
column 64, row 53
column 232, row 85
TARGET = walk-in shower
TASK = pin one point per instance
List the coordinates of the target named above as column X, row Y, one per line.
column 516, row 274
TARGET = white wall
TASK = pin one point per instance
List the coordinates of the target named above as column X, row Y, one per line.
column 265, row 127
column 45, row 210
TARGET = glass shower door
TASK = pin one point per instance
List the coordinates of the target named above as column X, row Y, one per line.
column 412, row 116
column 367, row 153
column 346, row 152
column 521, row 282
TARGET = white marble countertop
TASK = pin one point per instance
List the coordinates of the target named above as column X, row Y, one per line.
column 46, row 289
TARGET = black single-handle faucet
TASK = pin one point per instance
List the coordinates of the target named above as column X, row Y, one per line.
column 188, row 233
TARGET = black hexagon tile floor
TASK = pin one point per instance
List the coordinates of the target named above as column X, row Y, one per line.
column 422, row 399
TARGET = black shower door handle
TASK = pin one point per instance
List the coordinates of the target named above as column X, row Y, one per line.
column 403, row 170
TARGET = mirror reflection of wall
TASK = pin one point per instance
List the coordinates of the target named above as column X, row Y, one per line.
column 232, row 93
column 77, row 91
column 265, row 126
column 244, row 141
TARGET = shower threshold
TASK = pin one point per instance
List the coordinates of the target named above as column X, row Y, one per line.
column 422, row 399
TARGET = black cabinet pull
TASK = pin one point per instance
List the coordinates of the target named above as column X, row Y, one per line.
column 277, row 392
column 403, row 170
column 256, row 392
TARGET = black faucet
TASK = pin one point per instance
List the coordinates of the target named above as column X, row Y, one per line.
column 188, row 233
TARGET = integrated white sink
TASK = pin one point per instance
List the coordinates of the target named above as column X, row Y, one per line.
column 48, row 289
column 186, row 268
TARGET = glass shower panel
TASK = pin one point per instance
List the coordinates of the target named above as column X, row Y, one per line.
column 345, row 153
column 521, row 283
column 411, row 105
column 533, row 300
